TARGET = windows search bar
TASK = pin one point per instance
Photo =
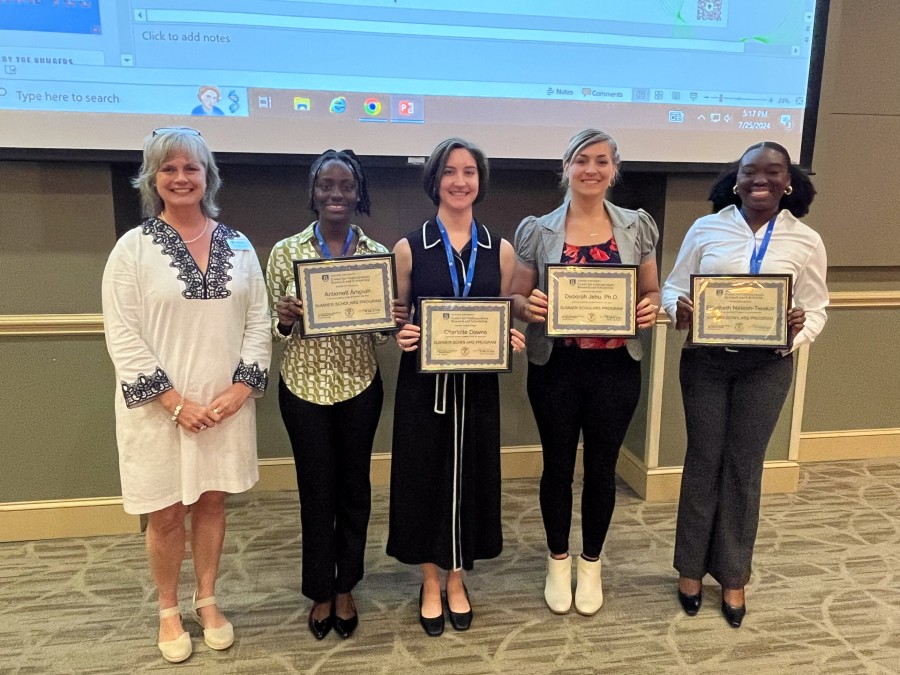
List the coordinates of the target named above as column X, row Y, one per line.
column 250, row 20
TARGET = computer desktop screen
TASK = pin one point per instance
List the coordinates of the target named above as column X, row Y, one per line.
column 674, row 81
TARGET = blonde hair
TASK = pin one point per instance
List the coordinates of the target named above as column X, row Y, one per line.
column 583, row 139
column 162, row 145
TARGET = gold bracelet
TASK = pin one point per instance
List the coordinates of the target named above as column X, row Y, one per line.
column 177, row 411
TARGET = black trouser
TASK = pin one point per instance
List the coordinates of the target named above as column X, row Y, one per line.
column 732, row 400
column 332, row 447
column 589, row 391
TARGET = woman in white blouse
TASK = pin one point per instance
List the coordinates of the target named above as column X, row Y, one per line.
column 184, row 310
column 733, row 397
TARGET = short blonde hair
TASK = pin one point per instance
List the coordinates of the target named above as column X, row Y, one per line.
column 159, row 147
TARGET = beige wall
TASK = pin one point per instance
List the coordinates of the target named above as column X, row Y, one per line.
column 858, row 142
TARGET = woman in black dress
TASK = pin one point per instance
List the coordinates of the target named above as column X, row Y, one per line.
column 445, row 470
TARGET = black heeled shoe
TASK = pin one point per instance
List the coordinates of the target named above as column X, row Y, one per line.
column 320, row 627
column 461, row 620
column 433, row 626
column 690, row 603
column 345, row 627
column 733, row 615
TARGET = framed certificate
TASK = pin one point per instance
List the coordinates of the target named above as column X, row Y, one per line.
column 465, row 335
column 741, row 310
column 591, row 300
column 346, row 295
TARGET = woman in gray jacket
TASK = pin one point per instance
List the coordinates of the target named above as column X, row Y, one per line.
column 582, row 385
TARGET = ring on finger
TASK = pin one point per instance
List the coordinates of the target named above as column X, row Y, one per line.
column 202, row 427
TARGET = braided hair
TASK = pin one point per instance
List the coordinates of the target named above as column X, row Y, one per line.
column 349, row 159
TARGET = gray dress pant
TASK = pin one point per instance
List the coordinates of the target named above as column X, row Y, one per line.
column 732, row 400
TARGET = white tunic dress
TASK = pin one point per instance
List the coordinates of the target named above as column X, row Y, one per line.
column 169, row 326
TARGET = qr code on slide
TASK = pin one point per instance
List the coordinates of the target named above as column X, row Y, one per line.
column 709, row 10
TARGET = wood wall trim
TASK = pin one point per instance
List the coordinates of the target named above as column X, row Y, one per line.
column 92, row 324
column 51, row 324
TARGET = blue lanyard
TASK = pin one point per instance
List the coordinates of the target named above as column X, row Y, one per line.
column 760, row 253
column 451, row 262
column 325, row 250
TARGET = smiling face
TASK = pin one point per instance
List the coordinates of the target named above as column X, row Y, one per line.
column 181, row 182
column 459, row 181
column 591, row 170
column 762, row 178
column 335, row 193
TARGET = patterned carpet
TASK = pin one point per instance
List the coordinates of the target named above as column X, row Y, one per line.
column 824, row 598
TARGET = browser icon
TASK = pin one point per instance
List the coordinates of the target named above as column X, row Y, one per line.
column 338, row 105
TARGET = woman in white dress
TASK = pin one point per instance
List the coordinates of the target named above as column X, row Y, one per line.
column 187, row 328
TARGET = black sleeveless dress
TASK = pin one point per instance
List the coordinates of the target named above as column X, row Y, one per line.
column 445, row 466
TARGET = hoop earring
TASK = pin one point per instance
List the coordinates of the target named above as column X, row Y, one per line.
column 789, row 190
column 734, row 189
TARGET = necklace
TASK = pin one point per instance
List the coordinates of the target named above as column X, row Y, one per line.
column 205, row 228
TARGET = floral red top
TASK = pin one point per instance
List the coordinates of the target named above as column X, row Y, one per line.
column 606, row 252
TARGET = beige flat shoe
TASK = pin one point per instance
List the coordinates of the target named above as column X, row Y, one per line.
column 215, row 638
column 179, row 649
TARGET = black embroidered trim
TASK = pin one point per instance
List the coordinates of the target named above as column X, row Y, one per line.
column 197, row 287
column 251, row 375
column 145, row 388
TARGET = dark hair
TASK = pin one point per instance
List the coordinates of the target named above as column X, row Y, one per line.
column 351, row 161
column 437, row 162
column 722, row 195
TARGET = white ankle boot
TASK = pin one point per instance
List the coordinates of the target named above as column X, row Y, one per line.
column 558, row 586
column 588, row 587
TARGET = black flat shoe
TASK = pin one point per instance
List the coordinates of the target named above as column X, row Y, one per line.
column 461, row 620
column 733, row 615
column 345, row 627
column 690, row 603
column 433, row 626
column 319, row 628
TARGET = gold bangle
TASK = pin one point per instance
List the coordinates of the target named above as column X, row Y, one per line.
column 177, row 411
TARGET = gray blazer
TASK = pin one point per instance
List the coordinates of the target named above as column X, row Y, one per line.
column 540, row 240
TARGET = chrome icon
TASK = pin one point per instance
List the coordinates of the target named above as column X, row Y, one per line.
column 338, row 105
column 372, row 106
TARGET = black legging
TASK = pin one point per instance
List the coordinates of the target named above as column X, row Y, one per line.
column 332, row 447
column 594, row 391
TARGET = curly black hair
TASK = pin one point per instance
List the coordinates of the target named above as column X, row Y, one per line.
column 721, row 194
column 351, row 161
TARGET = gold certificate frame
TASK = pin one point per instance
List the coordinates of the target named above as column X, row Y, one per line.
column 591, row 300
column 741, row 310
column 465, row 335
column 343, row 296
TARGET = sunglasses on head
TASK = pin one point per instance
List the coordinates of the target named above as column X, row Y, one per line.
column 186, row 130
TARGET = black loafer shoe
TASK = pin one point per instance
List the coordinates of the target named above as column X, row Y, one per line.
column 319, row 628
column 690, row 603
column 461, row 620
column 433, row 626
column 345, row 627
column 733, row 615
